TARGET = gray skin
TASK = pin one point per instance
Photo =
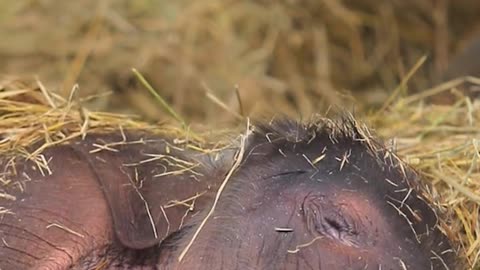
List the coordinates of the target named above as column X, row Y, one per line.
column 357, row 207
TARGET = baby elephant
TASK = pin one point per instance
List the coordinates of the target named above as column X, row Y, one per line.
column 323, row 195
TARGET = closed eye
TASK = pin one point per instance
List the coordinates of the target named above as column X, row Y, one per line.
column 329, row 219
column 337, row 228
column 332, row 223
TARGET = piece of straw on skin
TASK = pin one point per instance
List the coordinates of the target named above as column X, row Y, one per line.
column 299, row 247
column 236, row 164
column 184, row 202
column 176, row 172
column 146, row 205
column 166, row 220
column 65, row 228
column 7, row 196
column 4, row 211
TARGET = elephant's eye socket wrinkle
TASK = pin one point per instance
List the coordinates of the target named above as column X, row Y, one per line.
column 289, row 173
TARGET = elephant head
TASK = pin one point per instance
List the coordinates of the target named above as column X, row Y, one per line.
column 324, row 195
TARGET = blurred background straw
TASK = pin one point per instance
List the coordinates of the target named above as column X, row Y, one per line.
column 301, row 56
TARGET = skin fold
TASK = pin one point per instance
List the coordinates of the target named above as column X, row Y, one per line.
column 321, row 195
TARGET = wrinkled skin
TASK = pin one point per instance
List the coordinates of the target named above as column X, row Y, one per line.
column 92, row 207
column 317, row 197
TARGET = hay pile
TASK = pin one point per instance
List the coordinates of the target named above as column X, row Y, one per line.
column 288, row 53
column 29, row 114
column 440, row 141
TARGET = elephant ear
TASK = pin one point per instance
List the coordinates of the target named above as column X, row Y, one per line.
column 151, row 187
column 52, row 212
